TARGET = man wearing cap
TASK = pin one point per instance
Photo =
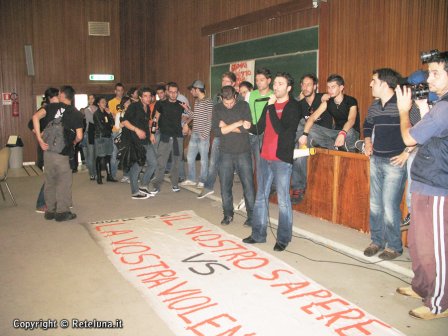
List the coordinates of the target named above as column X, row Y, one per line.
column 200, row 136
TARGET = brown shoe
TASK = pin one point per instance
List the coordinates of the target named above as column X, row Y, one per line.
column 371, row 250
column 389, row 254
column 408, row 291
column 424, row 313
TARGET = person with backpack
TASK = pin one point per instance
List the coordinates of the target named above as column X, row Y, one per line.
column 103, row 121
column 62, row 132
column 51, row 96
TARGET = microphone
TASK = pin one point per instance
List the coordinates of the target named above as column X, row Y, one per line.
column 262, row 99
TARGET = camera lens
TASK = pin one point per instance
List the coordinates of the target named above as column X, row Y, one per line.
column 420, row 92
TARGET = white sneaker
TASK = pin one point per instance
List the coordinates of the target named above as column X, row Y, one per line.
column 187, row 183
column 241, row 205
column 140, row 196
column 125, row 179
column 200, row 185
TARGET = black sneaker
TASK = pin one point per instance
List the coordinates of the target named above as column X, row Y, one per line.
column 140, row 196
column 405, row 223
column 176, row 188
column 227, row 220
column 49, row 215
column 314, row 144
column 342, row 148
column 64, row 216
column 279, row 247
column 359, row 145
column 205, row 192
column 297, row 196
column 144, row 190
column 155, row 191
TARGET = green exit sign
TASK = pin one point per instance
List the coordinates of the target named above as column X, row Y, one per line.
column 101, row 77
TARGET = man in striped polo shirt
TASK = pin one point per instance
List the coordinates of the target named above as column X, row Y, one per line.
column 385, row 146
column 200, row 136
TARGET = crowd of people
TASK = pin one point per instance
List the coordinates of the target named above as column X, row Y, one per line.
column 253, row 134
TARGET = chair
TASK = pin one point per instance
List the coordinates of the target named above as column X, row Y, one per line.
column 4, row 164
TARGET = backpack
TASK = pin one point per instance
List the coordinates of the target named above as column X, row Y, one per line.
column 53, row 135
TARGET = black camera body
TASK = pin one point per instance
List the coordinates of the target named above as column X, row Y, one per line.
column 120, row 107
column 417, row 82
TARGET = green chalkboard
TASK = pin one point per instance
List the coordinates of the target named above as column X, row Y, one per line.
column 280, row 44
column 294, row 52
column 296, row 65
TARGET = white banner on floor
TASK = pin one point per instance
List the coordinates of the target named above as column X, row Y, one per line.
column 203, row 281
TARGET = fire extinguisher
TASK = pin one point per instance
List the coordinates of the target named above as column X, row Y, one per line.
column 15, row 104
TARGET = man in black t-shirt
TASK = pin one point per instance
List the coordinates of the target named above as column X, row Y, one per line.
column 231, row 121
column 344, row 110
column 58, row 174
column 169, row 117
column 136, row 130
column 309, row 102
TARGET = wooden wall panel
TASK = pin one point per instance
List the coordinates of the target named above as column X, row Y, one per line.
column 369, row 34
column 282, row 24
column 137, row 36
column 65, row 53
column 15, row 33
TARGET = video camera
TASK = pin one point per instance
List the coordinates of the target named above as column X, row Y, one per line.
column 417, row 81
column 432, row 55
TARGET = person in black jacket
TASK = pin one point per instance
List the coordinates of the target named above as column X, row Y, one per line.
column 279, row 121
column 103, row 121
column 231, row 120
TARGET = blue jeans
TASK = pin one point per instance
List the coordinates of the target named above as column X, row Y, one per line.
column 151, row 164
column 163, row 154
column 89, row 153
column 242, row 163
column 299, row 173
column 280, row 172
column 113, row 159
column 325, row 137
column 213, row 164
column 386, row 191
column 201, row 146
column 41, row 198
column 256, row 141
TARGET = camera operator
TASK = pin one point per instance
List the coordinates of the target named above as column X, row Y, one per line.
column 428, row 237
